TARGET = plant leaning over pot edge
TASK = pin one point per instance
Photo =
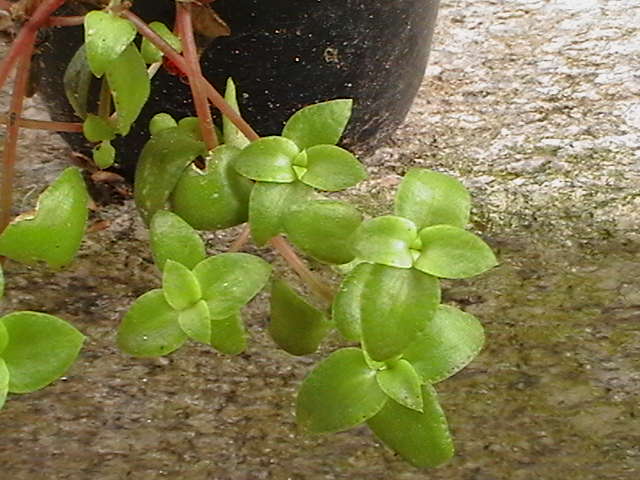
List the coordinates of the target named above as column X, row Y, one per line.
column 192, row 176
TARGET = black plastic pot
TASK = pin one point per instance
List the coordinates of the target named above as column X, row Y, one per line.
column 285, row 54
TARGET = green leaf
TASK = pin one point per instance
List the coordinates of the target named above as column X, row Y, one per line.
column 160, row 122
column 319, row 124
column 216, row 197
column 232, row 135
column 180, row 286
column 53, row 233
column 97, row 129
column 332, row 168
column 323, row 229
column 195, row 322
column 150, row 52
column 41, row 349
column 159, row 167
column 130, row 87
column 150, row 328
column 450, row 252
column 77, row 81
column 421, row 438
column 104, row 155
column 346, row 303
column 230, row 280
column 1, row 288
column 268, row 159
column 106, row 37
column 341, row 392
column 228, row 334
column 395, row 305
column 386, row 240
column 269, row 205
column 4, row 382
column 451, row 340
column 401, row 383
column 431, row 198
column 296, row 326
column 4, row 337
column 173, row 239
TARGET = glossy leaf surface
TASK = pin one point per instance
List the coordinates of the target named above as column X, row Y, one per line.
column 268, row 159
column 341, row 392
column 231, row 134
column 104, row 155
column 130, row 86
column 216, row 197
column 159, row 167
column 230, row 280
column 448, row 344
column 106, row 36
column 450, row 252
column 180, row 286
column 295, row 325
column 195, row 322
column 319, row 124
column 4, row 382
column 269, row 205
column 332, row 168
column 174, row 239
column 77, row 81
column 150, row 328
column 346, row 303
column 421, row 438
column 431, row 198
column 386, row 240
column 228, row 334
column 401, row 383
column 53, row 233
column 41, row 349
column 323, row 229
column 395, row 305
column 150, row 52
column 160, row 122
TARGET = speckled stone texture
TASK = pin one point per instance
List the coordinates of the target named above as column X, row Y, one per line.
column 534, row 105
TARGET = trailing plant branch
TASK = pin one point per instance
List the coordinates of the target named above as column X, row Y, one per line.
column 104, row 102
column 70, row 21
column 44, row 124
column 242, row 239
column 194, row 74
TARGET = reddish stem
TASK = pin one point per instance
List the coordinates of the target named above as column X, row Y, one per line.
column 11, row 139
column 44, row 124
column 194, row 74
column 5, row 5
column 71, row 21
column 26, row 37
column 242, row 239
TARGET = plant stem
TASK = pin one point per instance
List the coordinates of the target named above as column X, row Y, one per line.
column 286, row 251
column 194, row 74
column 71, row 21
column 44, row 124
column 104, row 101
column 214, row 97
column 242, row 239
column 11, row 139
column 26, row 37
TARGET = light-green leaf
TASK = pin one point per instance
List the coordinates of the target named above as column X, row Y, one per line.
column 319, row 124
column 386, row 240
column 450, row 252
column 295, row 325
column 150, row 328
column 4, row 337
column 268, row 159
column 395, row 305
column 268, row 207
column 232, row 135
column 4, row 382
column 230, row 280
column 196, row 323
column 174, row 239
column 431, row 198
column 130, row 86
column 228, row 334
column 53, row 233
column 341, row 392
column 41, row 349
column 106, row 36
column 104, row 154
column 421, row 438
column 449, row 342
column 159, row 167
column 150, row 52
column 346, row 303
column 180, row 286
column 77, row 81
column 97, row 129
column 323, row 229
column 401, row 383
column 160, row 122
column 332, row 168
column 216, row 197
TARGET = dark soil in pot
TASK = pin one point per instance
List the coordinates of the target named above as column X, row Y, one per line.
column 284, row 55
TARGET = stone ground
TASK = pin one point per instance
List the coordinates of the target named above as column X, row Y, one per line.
column 535, row 105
